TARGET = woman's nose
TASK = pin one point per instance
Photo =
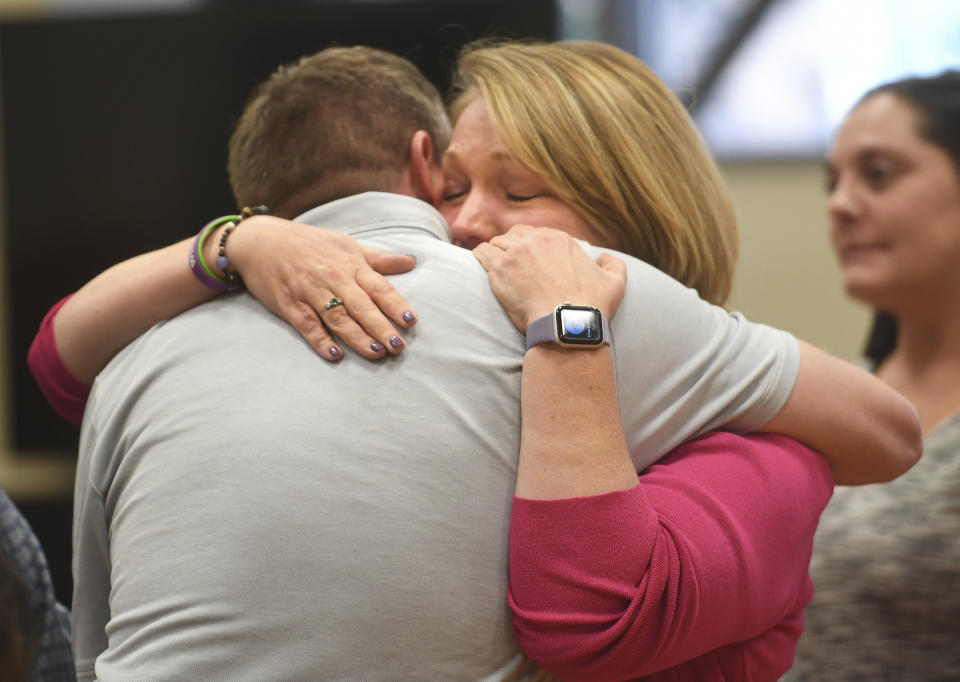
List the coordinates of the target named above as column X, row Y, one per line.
column 474, row 223
column 842, row 202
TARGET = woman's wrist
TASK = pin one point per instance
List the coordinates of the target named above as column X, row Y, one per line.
column 209, row 258
column 242, row 239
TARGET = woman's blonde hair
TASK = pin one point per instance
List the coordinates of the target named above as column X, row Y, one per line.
column 615, row 143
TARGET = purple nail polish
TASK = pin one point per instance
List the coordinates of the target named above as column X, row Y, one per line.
column 395, row 342
column 408, row 317
column 376, row 346
column 334, row 352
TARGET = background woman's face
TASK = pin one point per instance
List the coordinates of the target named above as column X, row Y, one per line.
column 894, row 207
column 487, row 191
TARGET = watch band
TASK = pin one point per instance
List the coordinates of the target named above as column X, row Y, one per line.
column 542, row 330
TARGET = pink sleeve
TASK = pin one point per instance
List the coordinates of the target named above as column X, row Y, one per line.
column 700, row 569
column 65, row 393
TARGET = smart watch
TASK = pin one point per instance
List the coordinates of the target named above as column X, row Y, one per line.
column 575, row 326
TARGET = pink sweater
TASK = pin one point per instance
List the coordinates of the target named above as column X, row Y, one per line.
column 66, row 394
column 699, row 572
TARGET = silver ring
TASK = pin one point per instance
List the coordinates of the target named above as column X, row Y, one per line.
column 333, row 303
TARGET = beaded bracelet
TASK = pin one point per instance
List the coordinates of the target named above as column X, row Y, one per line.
column 233, row 278
column 199, row 267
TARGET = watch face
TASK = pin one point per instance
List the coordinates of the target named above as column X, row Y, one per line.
column 579, row 325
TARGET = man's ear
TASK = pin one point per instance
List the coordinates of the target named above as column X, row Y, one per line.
column 426, row 176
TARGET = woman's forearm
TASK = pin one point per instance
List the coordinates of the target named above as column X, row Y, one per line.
column 121, row 303
column 867, row 432
column 572, row 441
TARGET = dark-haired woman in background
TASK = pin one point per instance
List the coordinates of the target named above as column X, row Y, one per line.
column 887, row 560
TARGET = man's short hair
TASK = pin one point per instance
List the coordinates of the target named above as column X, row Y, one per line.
column 330, row 125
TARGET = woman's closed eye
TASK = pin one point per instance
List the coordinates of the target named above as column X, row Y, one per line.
column 521, row 197
column 453, row 189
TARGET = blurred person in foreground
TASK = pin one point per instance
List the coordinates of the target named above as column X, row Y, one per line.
column 34, row 627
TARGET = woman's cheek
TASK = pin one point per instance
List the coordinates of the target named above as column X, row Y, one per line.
column 449, row 212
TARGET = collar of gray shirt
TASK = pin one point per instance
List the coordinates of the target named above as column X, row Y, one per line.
column 376, row 212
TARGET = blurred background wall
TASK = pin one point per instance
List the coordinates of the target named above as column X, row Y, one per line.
column 114, row 118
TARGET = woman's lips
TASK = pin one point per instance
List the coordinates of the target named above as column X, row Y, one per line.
column 855, row 252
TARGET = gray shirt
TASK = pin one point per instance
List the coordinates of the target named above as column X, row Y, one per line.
column 886, row 570
column 246, row 510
